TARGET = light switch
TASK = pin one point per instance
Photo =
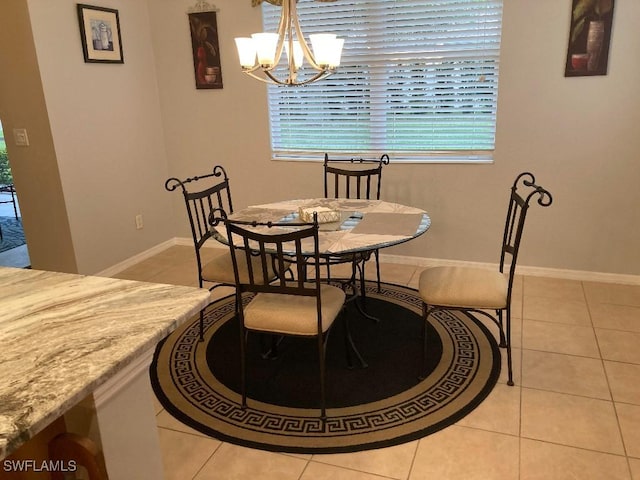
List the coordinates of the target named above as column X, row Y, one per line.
column 20, row 137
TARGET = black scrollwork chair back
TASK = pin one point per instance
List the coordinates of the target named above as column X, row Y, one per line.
column 478, row 290
column 355, row 178
column 205, row 197
column 283, row 307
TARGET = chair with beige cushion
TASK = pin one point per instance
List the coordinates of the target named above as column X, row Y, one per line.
column 204, row 195
column 284, row 307
column 476, row 290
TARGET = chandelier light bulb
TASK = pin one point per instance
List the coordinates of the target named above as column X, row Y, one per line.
column 246, row 52
column 298, row 54
column 266, row 45
column 260, row 55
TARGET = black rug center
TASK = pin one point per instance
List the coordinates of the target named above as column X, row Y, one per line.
column 390, row 348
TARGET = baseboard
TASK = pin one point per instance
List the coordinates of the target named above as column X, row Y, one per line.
column 579, row 275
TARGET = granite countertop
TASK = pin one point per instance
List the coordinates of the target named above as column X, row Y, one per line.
column 63, row 335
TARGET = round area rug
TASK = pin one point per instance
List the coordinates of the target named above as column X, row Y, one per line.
column 381, row 405
column 11, row 233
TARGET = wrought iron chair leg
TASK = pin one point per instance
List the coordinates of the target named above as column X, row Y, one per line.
column 321, row 352
column 202, row 325
column 270, row 353
column 350, row 345
column 509, row 359
column 425, row 314
column 503, row 342
column 363, row 292
column 243, row 365
column 377, row 255
column 347, row 345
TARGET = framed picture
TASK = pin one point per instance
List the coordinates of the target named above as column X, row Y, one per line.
column 589, row 38
column 206, row 51
column 100, row 34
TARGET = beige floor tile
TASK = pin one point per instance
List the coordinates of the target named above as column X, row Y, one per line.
column 516, row 329
column 165, row 420
column 615, row 317
column 183, row 455
column 624, row 381
column 518, row 286
column 320, row 471
column 157, row 406
column 635, row 468
column 612, row 293
column 619, row 346
column 461, row 453
column 629, row 416
column 499, row 412
column 391, row 273
column 142, row 272
column 570, row 420
column 177, row 276
column 559, row 338
column 517, row 306
column 414, row 282
column 553, row 288
column 557, row 310
column 516, row 357
column 565, row 415
column 392, row 462
column 546, row 461
column 176, row 255
column 232, row 462
column 564, row 373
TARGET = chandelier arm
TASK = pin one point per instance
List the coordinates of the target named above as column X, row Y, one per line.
column 271, row 80
column 282, row 30
column 289, row 13
column 308, row 54
column 275, row 80
column 318, row 76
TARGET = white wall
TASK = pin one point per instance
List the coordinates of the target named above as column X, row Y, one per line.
column 108, row 134
column 579, row 136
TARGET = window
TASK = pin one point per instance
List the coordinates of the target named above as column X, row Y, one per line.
column 418, row 80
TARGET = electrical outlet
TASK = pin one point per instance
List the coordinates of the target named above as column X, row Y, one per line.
column 139, row 223
column 20, row 137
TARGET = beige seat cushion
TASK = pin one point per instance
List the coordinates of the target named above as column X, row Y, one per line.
column 463, row 287
column 220, row 269
column 293, row 314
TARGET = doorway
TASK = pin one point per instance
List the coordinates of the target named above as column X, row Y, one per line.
column 13, row 247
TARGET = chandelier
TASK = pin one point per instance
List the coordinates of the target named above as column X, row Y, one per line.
column 260, row 55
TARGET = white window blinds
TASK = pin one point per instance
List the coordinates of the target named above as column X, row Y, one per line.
column 418, row 80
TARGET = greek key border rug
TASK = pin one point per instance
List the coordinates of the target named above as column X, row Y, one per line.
column 462, row 374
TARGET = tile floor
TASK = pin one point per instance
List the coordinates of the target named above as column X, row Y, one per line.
column 574, row 412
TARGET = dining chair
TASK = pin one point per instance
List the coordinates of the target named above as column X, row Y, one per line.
column 286, row 307
column 356, row 178
column 476, row 290
column 70, row 447
column 203, row 196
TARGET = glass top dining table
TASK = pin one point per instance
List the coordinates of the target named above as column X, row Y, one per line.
column 363, row 225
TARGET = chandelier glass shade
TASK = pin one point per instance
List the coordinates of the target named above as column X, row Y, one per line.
column 261, row 53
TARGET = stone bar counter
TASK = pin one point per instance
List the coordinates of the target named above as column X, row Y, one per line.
column 66, row 337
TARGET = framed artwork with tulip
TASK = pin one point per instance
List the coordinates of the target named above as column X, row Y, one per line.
column 589, row 38
column 206, row 50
